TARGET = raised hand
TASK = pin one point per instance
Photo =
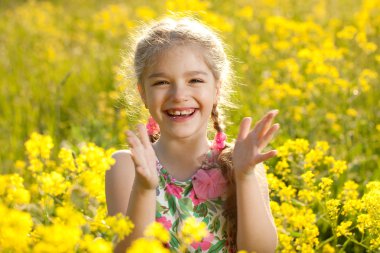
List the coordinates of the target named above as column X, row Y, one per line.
column 248, row 146
column 143, row 157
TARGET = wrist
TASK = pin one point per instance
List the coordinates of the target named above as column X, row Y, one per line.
column 245, row 174
column 143, row 188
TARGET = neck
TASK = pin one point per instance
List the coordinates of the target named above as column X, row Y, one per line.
column 182, row 148
column 181, row 157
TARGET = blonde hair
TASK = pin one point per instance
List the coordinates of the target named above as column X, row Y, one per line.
column 160, row 36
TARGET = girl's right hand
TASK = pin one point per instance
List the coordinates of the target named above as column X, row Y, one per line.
column 144, row 158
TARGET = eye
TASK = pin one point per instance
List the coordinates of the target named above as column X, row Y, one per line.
column 195, row 80
column 160, row 83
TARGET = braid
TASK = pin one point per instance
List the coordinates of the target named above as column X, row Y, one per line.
column 225, row 161
column 215, row 117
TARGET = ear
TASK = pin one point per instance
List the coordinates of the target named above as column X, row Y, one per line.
column 142, row 93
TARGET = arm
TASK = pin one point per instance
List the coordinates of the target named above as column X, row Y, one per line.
column 130, row 186
column 256, row 230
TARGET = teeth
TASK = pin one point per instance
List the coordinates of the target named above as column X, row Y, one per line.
column 178, row 113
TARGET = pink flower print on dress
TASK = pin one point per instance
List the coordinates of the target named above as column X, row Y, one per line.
column 209, row 184
column 205, row 243
column 174, row 190
column 165, row 222
column 194, row 198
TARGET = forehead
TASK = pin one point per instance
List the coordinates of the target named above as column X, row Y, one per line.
column 179, row 59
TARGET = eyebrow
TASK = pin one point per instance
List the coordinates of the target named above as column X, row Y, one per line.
column 195, row 72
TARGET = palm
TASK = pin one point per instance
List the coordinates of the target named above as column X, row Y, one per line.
column 248, row 146
column 144, row 158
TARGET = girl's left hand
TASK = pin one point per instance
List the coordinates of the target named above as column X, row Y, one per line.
column 247, row 151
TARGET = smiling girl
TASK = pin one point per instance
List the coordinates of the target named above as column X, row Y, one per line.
column 172, row 170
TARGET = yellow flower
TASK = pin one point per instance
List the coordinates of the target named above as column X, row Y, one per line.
column 331, row 116
column 282, row 167
column 145, row 13
column 349, row 191
column 313, row 158
column 327, row 248
column 120, row 224
column 347, row 33
column 287, row 193
column 325, row 186
column 39, row 146
column 309, row 178
column 351, row 207
column 364, row 222
column 68, row 215
column 339, row 167
column 15, row 227
column 112, row 20
column 323, row 146
column 143, row 245
column 52, row 183
column 67, row 162
column 20, row 165
column 12, row 190
column 157, row 230
column 352, row 112
column 95, row 245
column 246, row 12
column 332, row 206
column 185, row 6
column 306, row 195
column 192, row 230
column 57, row 238
column 343, row 229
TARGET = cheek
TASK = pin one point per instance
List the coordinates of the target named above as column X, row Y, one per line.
column 154, row 99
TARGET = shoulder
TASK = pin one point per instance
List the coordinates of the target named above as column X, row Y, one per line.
column 123, row 161
column 123, row 154
column 118, row 182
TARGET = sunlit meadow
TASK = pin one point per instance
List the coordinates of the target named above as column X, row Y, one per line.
column 62, row 114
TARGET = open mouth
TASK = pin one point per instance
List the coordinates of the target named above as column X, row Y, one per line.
column 180, row 113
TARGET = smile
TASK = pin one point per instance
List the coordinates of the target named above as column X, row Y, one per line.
column 181, row 113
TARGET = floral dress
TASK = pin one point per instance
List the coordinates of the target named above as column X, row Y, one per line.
column 202, row 196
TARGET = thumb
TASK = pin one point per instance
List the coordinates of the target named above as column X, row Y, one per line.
column 266, row 156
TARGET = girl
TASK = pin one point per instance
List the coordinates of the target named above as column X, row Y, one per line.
column 182, row 74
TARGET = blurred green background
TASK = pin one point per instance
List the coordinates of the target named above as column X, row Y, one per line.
column 316, row 61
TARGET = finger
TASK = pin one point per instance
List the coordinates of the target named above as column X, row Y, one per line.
column 143, row 135
column 266, row 156
column 133, row 140
column 244, row 128
column 263, row 125
column 137, row 150
column 269, row 136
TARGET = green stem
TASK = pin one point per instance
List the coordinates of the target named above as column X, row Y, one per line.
column 344, row 245
column 359, row 243
column 324, row 242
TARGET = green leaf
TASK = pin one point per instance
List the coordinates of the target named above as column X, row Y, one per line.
column 175, row 225
column 201, row 210
column 174, row 243
column 171, row 201
column 187, row 189
column 217, row 247
column 185, row 205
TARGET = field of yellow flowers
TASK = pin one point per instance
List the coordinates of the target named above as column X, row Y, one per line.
column 62, row 114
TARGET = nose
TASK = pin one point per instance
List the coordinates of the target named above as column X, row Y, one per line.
column 179, row 93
